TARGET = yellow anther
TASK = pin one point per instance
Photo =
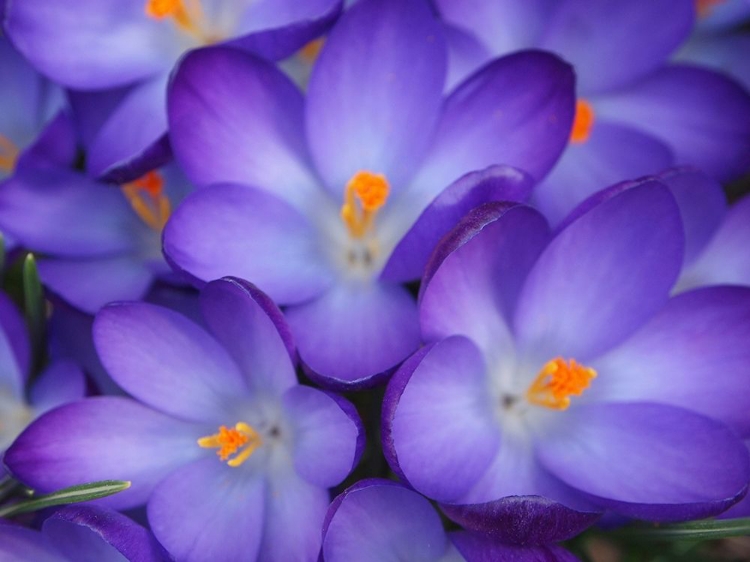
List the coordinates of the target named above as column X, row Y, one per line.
column 365, row 194
column 310, row 52
column 229, row 441
column 187, row 14
column 8, row 154
column 583, row 122
column 558, row 381
column 146, row 196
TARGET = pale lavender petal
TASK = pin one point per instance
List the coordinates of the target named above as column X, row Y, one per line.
column 15, row 348
column 19, row 544
column 375, row 92
column 167, row 361
column 602, row 276
column 61, row 382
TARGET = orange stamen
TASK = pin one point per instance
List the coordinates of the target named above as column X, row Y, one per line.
column 558, row 381
column 8, row 154
column 583, row 122
column 147, row 198
column 310, row 52
column 187, row 17
column 705, row 7
column 365, row 194
column 229, row 441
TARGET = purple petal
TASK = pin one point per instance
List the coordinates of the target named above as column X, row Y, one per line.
column 645, row 460
column 702, row 206
column 235, row 118
column 19, row 544
column 476, row 548
column 102, row 438
column 355, row 331
column 55, row 145
column 703, row 115
column 252, row 329
column 242, row 231
column 517, row 110
column 440, row 420
column 612, row 153
column 726, row 258
column 325, row 438
column 692, row 354
column 473, row 279
column 497, row 183
column 723, row 52
column 15, row 348
column 66, row 214
column 375, row 92
column 465, row 54
column 220, row 512
column 167, row 361
column 94, row 532
column 61, row 382
column 89, row 284
column 602, row 276
column 101, row 44
column 593, row 35
column 524, row 520
column 378, row 520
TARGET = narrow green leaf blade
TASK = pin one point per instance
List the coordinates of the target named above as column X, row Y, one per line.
column 708, row 529
column 33, row 295
column 74, row 494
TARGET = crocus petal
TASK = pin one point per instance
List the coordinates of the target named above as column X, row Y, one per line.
column 702, row 206
column 325, row 438
column 474, row 276
column 381, row 521
column 692, row 354
column 252, row 329
column 726, row 258
column 723, row 52
column 19, row 544
column 524, row 520
column 56, row 144
column 96, row 533
column 578, row 25
column 101, row 44
column 703, row 115
column 465, row 54
column 61, row 382
column 375, row 92
column 238, row 230
column 103, row 438
column 476, row 548
column 167, row 361
column 440, row 420
column 220, row 512
column 65, row 213
column 497, row 183
column 235, row 118
column 15, row 348
column 354, row 332
column 517, row 110
column 89, row 284
column 612, row 153
column 645, row 460
column 567, row 306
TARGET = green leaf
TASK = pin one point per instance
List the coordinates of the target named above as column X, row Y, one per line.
column 33, row 295
column 707, row 529
column 74, row 494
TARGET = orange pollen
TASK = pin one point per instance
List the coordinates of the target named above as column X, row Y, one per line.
column 147, row 198
column 558, row 381
column 310, row 52
column 8, row 154
column 187, row 14
column 583, row 122
column 365, row 194
column 240, row 441
column 705, row 7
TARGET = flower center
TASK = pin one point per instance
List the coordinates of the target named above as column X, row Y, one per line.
column 705, row 7
column 8, row 154
column 146, row 196
column 187, row 15
column 557, row 382
column 583, row 122
column 240, row 441
column 310, row 52
column 365, row 194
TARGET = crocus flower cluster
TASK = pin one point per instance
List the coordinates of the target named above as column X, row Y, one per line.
column 371, row 281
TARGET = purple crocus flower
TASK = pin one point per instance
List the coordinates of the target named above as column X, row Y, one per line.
column 81, row 534
column 133, row 45
column 381, row 521
column 316, row 197
column 560, row 379
column 231, row 454
column 61, row 382
column 636, row 114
